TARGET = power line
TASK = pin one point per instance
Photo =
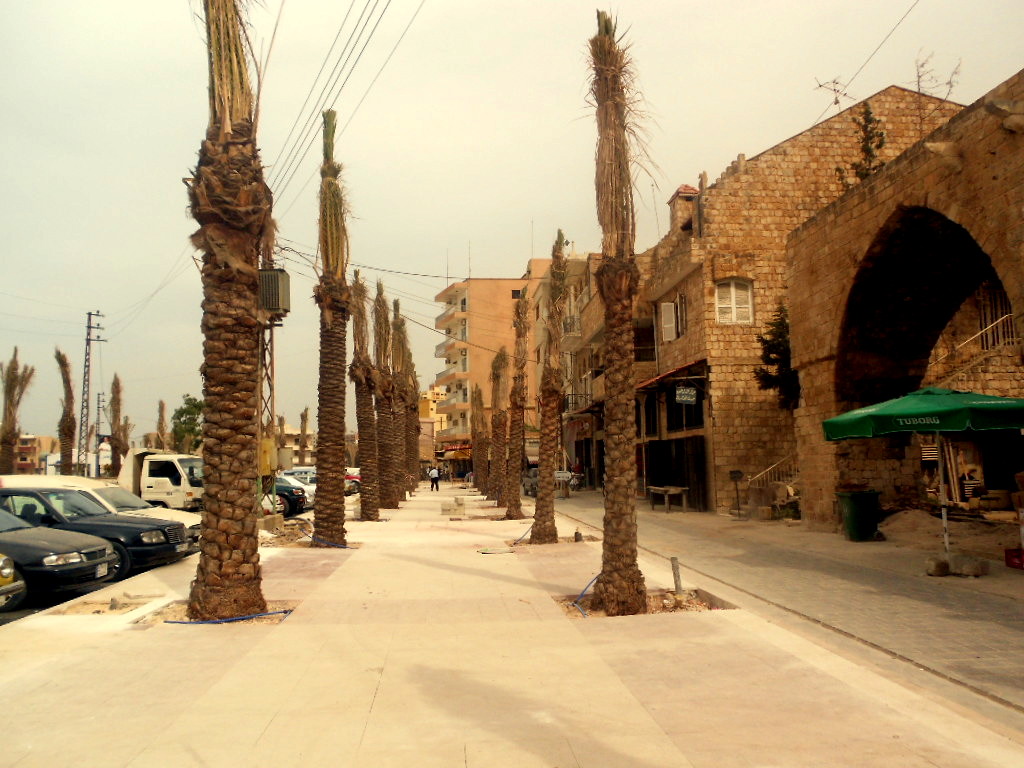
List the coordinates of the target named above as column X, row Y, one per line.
column 311, row 130
column 869, row 58
column 361, row 100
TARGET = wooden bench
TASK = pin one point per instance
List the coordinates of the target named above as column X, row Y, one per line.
column 667, row 492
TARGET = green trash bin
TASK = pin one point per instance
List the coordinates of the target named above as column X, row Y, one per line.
column 861, row 513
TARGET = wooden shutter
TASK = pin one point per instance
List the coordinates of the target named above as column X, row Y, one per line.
column 667, row 316
column 743, row 301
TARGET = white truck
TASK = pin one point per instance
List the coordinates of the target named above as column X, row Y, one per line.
column 173, row 480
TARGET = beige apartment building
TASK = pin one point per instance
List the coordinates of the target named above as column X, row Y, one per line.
column 476, row 322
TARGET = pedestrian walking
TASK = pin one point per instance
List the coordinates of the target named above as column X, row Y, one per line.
column 435, row 478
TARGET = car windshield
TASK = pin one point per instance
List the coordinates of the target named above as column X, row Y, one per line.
column 120, row 499
column 193, row 471
column 74, row 505
column 9, row 522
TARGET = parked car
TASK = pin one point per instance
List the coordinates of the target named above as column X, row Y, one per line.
column 293, row 496
column 137, row 542
column 49, row 560
column 353, row 480
column 12, row 589
column 304, row 474
column 108, row 494
column 309, row 489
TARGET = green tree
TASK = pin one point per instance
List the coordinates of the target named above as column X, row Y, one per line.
column 187, row 424
column 872, row 139
column 777, row 372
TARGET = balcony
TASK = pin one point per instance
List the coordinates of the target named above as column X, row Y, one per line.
column 448, row 376
column 450, row 316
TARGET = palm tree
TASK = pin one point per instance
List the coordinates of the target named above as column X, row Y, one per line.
column 481, row 439
column 16, row 379
column 499, row 428
column 334, row 299
column 231, row 202
column 362, row 374
column 119, row 432
column 550, row 405
column 161, row 425
column 620, row 588
column 517, row 414
column 387, row 456
column 66, row 425
column 406, row 401
column 303, row 435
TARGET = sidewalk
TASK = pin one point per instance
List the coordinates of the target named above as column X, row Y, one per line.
column 966, row 630
column 417, row 649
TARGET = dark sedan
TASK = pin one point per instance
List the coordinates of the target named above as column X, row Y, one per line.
column 293, row 497
column 46, row 560
column 138, row 542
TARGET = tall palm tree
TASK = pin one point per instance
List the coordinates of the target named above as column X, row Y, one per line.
column 334, row 299
column 550, row 401
column 231, row 202
column 406, row 389
column 499, row 427
column 66, row 425
column 303, row 436
column 387, row 455
column 480, row 437
column 16, row 379
column 362, row 374
column 118, row 433
column 620, row 588
column 161, row 425
column 517, row 414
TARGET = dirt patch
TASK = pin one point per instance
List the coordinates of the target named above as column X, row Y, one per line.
column 114, row 605
column 658, row 601
column 919, row 529
column 177, row 611
column 562, row 540
column 293, row 535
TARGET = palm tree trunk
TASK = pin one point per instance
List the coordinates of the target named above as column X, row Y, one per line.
column 544, row 530
column 390, row 484
column 499, row 457
column 329, row 519
column 366, row 423
column 516, row 439
column 412, row 439
column 620, row 588
column 228, row 577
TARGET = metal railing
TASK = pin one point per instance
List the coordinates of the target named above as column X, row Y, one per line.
column 782, row 471
column 997, row 334
column 571, row 326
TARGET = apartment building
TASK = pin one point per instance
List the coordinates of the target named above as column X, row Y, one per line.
column 476, row 322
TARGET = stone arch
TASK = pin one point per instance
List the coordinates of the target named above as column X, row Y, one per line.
column 915, row 275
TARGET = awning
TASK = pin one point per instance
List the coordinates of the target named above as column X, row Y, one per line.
column 661, row 377
column 457, row 455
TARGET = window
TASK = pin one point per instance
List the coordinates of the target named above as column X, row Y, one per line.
column 734, row 302
column 516, row 292
column 672, row 317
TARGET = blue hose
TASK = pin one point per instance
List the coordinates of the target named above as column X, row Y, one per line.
column 576, row 602
column 236, row 618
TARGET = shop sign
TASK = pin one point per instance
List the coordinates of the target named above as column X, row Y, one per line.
column 686, row 395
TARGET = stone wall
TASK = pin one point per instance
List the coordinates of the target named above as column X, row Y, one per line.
column 963, row 186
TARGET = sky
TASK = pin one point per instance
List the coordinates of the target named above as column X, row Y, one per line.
column 465, row 136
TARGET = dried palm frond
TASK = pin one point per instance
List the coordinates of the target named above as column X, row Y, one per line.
column 231, row 99
column 333, row 208
column 360, row 330
column 499, row 380
column 381, row 330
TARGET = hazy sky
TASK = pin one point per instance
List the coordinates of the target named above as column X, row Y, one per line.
column 473, row 145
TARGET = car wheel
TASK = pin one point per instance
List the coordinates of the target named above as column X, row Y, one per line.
column 16, row 600
column 122, row 562
column 356, row 487
column 287, row 504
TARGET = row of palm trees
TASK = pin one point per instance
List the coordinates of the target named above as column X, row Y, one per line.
column 231, row 202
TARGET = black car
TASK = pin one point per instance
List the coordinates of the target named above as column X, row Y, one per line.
column 293, row 497
column 48, row 560
column 138, row 542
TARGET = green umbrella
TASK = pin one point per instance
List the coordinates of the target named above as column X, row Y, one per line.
column 928, row 410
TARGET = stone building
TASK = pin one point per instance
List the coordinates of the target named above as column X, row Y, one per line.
column 913, row 278
column 719, row 276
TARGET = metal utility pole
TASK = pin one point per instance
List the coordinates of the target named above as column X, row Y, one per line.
column 83, row 417
column 100, row 406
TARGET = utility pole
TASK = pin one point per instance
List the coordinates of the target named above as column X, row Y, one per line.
column 83, row 418
column 100, row 405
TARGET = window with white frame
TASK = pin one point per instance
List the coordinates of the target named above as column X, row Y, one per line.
column 734, row 302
